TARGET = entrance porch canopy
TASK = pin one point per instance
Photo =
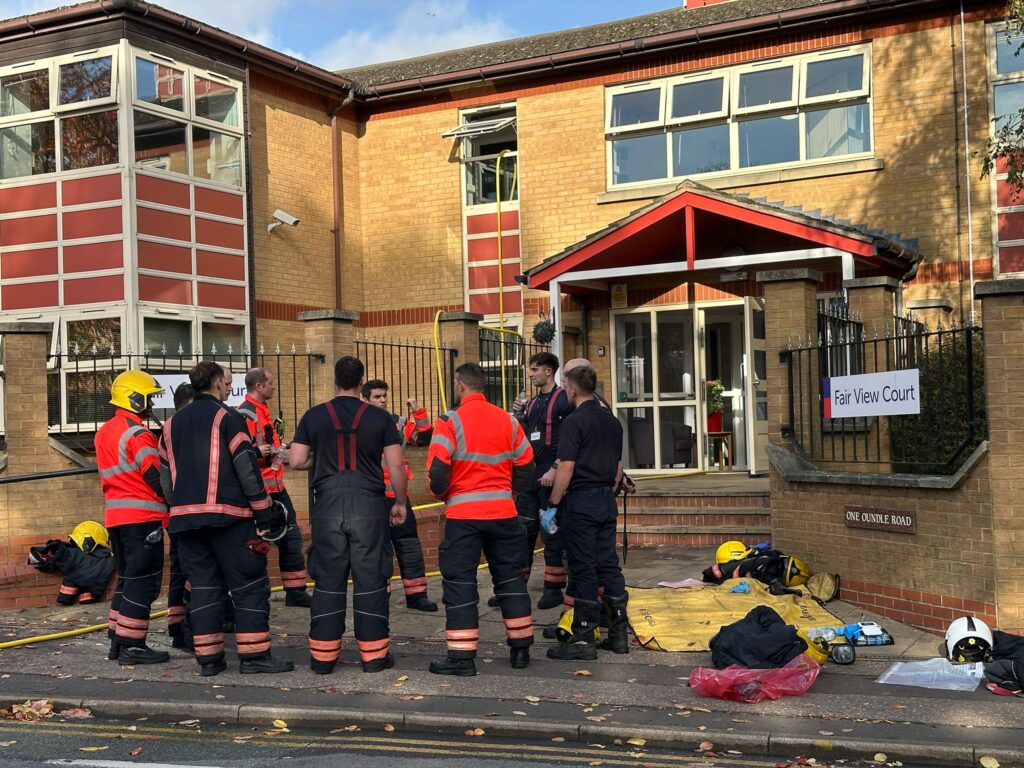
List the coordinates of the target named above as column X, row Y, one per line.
column 696, row 228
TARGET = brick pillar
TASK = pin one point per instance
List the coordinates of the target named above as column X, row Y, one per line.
column 873, row 301
column 1002, row 311
column 24, row 349
column 790, row 319
column 461, row 330
column 332, row 333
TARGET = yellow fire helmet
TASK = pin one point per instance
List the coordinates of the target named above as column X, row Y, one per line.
column 564, row 631
column 796, row 572
column 817, row 648
column 132, row 389
column 89, row 534
column 731, row 550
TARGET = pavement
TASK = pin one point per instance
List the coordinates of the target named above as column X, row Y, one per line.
column 644, row 695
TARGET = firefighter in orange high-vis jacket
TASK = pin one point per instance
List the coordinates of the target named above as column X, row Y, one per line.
column 405, row 537
column 263, row 431
column 479, row 459
column 135, row 515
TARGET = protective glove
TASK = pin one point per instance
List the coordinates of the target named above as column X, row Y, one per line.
column 547, row 520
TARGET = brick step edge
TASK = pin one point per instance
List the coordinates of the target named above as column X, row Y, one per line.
column 702, row 502
column 739, row 530
column 699, row 511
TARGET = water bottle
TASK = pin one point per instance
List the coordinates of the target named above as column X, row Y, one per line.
column 278, row 461
column 828, row 634
column 519, row 406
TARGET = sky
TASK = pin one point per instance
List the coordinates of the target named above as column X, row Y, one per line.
column 339, row 34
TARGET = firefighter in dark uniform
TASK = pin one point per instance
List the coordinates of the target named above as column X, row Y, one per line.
column 479, row 457
column 212, row 481
column 343, row 440
column 405, row 538
column 264, row 431
column 588, row 475
column 128, row 462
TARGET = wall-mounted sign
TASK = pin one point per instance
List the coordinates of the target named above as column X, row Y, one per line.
column 881, row 519
column 171, row 381
column 620, row 296
column 893, row 393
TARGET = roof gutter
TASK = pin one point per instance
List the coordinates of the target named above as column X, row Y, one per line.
column 78, row 15
column 663, row 42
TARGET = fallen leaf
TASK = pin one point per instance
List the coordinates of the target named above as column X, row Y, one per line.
column 559, row 739
column 93, row 749
column 403, row 678
column 10, row 743
column 122, row 682
column 280, row 724
column 701, row 709
column 738, row 720
column 136, row 751
column 597, row 718
column 989, row 762
column 704, row 746
column 583, row 673
column 881, row 757
column 636, row 742
column 631, row 680
column 518, row 712
column 827, row 733
column 219, row 696
column 533, row 699
column 847, row 730
column 389, row 727
column 188, row 723
column 473, row 732
column 702, row 727
column 732, row 752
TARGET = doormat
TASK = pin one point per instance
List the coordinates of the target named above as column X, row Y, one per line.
column 686, row 619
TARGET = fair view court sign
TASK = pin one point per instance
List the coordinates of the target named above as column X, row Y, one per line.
column 171, row 381
column 893, row 393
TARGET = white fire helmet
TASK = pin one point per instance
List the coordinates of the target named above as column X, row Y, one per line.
column 968, row 640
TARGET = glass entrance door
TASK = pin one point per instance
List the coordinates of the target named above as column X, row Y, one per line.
column 755, row 375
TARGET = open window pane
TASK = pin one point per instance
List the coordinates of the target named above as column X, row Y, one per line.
column 223, row 339
column 86, row 80
column 1009, row 100
column 163, row 336
column 27, row 150
column 636, row 108
column 160, row 143
column 479, row 128
column 1007, row 58
column 766, row 87
column 216, row 156
column 94, row 337
column 24, row 92
column 769, row 140
column 838, row 131
column 640, row 158
column 703, row 97
column 482, row 181
column 87, row 141
column 700, row 150
column 216, row 101
column 833, row 77
column 160, row 85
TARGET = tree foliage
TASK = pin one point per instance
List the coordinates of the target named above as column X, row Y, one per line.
column 1007, row 143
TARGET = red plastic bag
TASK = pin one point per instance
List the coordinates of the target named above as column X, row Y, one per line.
column 738, row 683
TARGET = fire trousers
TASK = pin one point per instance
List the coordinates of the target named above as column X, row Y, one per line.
column 406, row 541
column 501, row 542
column 289, row 548
column 350, row 536
column 528, row 507
column 140, row 569
column 177, row 602
column 588, row 528
column 218, row 562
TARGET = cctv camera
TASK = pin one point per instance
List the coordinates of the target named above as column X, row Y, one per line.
column 282, row 217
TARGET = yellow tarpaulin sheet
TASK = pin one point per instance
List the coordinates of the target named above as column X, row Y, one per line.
column 686, row 619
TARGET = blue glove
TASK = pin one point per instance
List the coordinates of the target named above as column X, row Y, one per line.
column 742, row 588
column 547, row 520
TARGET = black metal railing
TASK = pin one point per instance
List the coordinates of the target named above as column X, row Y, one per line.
column 510, row 366
column 951, row 422
column 410, row 369
column 838, row 332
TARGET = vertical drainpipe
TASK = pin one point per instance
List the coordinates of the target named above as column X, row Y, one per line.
column 336, row 193
column 250, row 214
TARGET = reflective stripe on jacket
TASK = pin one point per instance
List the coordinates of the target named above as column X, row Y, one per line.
column 125, row 450
column 262, row 432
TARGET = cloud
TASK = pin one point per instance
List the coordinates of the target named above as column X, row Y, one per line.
column 421, row 27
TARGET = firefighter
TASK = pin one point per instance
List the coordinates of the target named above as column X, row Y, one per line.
column 264, row 432
column 405, row 538
column 478, row 458
column 212, row 481
column 177, row 608
column 342, row 441
column 135, row 515
column 588, row 475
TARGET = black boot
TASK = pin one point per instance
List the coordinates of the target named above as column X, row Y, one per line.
column 379, row 665
column 267, row 664
column 141, row 654
column 551, row 598
column 420, row 602
column 181, row 644
column 618, row 625
column 450, row 666
column 493, row 602
column 606, row 619
column 551, row 631
column 581, row 645
column 296, row 598
column 114, row 652
column 519, row 658
column 212, row 668
column 322, row 667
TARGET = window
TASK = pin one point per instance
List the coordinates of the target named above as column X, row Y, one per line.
column 223, row 338
column 27, row 150
column 1006, row 78
column 159, row 85
column 216, row 101
column 800, row 109
column 85, row 81
column 164, row 336
column 1008, row 60
column 94, row 336
column 161, row 143
column 216, row 156
column 484, row 135
column 22, row 93
column 88, row 140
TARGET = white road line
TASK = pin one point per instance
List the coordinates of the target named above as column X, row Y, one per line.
column 122, row 764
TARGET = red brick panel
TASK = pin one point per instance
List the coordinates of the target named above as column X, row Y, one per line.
column 221, row 296
column 28, row 198
column 1011, row 226
column 165, row 258
column 94, row 223
column 486, row 249
column 42, row 261
column 162, row 191
column 226, row 266
column 1011, row 259
column 487, row 277
column 28, row 295
column 488, row 222
column 487, row 303
column 94, row 189
column 220, row 234
column 91, row 290
column 173, row 226
column 29, row 229
column 90, row 257
column 164, row 289
column 219, row 203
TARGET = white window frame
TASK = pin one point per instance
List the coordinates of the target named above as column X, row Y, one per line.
column 144, row 165
column 995, row 79
column 793, row 64
column 222, row 318
column 100, row 313
column 59, row 144
column 699, row 77
column 481, row 128
column 185, row 113
column 181, row 313
column 21, row 68
column 646, row 85
column 215, row 77
column 842, row 53
column 74, row 58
